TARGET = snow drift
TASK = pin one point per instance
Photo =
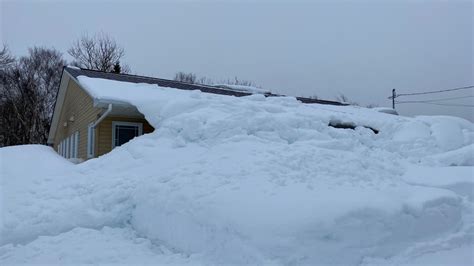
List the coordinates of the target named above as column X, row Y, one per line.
column 249, row 180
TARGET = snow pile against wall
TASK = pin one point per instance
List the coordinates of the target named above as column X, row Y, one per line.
column 250, row 180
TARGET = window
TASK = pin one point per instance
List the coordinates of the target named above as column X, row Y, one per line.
column 76, row 146
column 71, row 146
column 90, row 141
column 68, row 147
column 63, row 148
column 123, row 132
column 66, row 154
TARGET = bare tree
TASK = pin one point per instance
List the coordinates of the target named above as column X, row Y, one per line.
column 100, row 52
column 344, row 99
column 27, row 96
column 237, row 81
column 204, row 80
column 6, row 58
column 185, row 77
column 193, row 79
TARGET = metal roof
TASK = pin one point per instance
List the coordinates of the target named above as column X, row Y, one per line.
column 75, row 72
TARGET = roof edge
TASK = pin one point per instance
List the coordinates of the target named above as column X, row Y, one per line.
column 60, row 95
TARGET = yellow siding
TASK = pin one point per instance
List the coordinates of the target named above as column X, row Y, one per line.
column 104, row 132
column 77, row 104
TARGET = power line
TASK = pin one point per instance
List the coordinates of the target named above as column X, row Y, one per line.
column 433, row 103
column 438, row 91
column 438, row 100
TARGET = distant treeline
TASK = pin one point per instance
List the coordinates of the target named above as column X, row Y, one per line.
column 29, row 84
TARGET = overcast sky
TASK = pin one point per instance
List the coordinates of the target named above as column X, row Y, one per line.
column 362, row 49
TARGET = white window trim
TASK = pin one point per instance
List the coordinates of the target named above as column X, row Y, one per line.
column 90, row 140
column 123, row 123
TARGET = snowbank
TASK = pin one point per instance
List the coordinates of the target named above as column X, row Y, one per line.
column 457, row 179
column 90, row 246
column 249, row 180
column 23, row 171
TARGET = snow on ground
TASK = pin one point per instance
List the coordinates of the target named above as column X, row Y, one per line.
column 250, row 180
column 91, row 246
column 460, row 256
column 458, row 179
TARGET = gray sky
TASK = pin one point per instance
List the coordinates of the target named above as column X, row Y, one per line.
column 362, row 49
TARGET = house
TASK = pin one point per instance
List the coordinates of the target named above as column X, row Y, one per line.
column 84, row 126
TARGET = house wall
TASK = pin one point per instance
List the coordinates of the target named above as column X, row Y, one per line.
column 79, row 104
column 104, row 132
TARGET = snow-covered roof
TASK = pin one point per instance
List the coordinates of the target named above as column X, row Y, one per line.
column 164, row 83
column 243, row 88
column 222, row 89
column 105, row 88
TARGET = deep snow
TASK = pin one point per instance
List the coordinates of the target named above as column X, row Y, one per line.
column 250, row 180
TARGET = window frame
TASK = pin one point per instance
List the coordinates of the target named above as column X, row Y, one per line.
column 125, row 123
column 63, row 148
column 90, row 140
column 71, row 146
column 76, row 144
column 67, row 148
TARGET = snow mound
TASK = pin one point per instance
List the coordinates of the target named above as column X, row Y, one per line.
column 457, row 179
column 385, row 110
column 90, row 246
column 23, row 161
column 461, row 157
column 248, row 180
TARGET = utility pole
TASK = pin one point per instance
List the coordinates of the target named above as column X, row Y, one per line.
column 394, row 95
